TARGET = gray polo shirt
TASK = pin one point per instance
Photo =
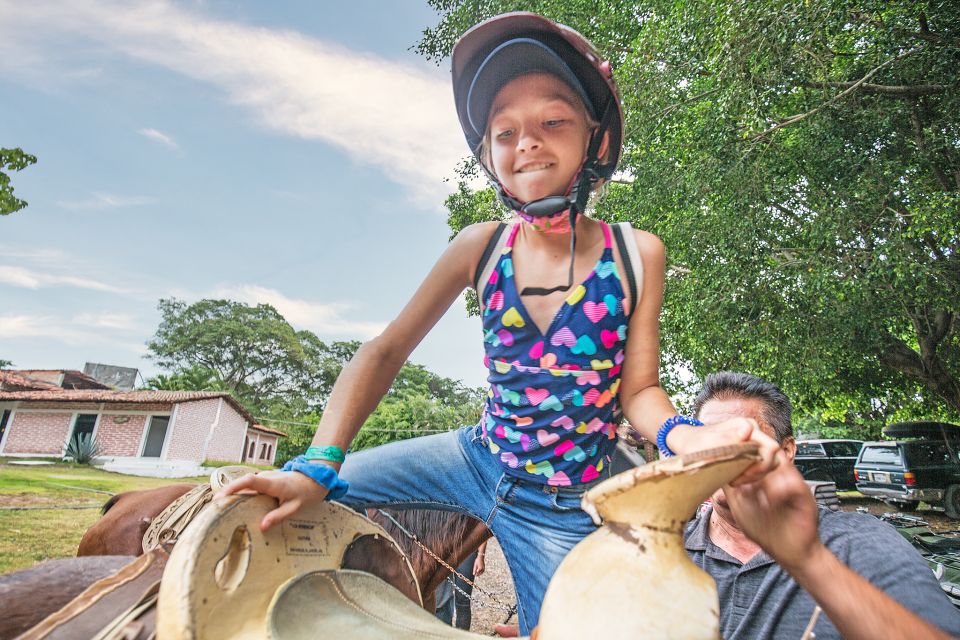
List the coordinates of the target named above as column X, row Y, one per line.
column 760, row 600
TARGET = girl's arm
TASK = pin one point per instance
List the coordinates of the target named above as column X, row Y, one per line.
column 364, row 381
column 645, row 404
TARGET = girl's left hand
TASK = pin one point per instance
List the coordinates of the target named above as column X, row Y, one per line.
column 686, row 439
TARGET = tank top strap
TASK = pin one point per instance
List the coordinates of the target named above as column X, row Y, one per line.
column 607, row 235
column 513, row 235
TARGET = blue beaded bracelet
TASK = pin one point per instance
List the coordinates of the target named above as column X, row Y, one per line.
column 323, row 474
column 667, row 427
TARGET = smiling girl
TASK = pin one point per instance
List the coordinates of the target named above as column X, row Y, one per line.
column 567, row 349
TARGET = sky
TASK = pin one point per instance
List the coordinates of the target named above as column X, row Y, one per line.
column 295, row 153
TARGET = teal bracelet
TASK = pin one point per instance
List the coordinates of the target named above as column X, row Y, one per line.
column 331, row 453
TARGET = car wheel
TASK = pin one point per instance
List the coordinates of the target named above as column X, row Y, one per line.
column 951, row 501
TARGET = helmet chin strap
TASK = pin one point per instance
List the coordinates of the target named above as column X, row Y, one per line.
column 575, row 202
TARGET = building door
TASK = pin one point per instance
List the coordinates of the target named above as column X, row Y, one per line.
column 84, row 425
column 156, row 435
column 4, row 419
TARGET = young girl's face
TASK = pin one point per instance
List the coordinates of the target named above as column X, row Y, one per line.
column 538, row 136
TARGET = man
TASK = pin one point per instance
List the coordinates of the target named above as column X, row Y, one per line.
column 761, row 544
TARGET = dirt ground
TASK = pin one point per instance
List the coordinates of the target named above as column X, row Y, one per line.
column 935, row 518
column 496, row 580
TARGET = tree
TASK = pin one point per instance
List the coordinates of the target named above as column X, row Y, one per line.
column 193, row 378
column 5, row 364
column 252, row 351
column 12, row 160
column 801, row 162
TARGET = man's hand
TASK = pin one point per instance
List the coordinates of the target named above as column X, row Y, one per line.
column 294, row 490
column 685, row 439
column 778, row 512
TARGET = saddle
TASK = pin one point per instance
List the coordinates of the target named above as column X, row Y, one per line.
column 234, row 581
column 226, row 579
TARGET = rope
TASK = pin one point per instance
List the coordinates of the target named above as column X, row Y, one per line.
column 493, row 600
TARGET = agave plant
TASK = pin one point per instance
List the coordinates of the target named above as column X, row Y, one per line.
column 82, row 448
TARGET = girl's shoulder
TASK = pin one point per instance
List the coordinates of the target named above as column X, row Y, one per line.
column 473, row 245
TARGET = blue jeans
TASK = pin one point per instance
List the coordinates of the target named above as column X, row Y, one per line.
column 535, row 525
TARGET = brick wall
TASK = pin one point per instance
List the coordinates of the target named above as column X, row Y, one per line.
column 123, row 437
column 40, row 433
column 190, row 428
column 228, row 436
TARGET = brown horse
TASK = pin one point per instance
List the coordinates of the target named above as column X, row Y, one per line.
column 31, row 595
column 449, row 535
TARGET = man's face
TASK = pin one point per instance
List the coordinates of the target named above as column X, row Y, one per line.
column 716, row 410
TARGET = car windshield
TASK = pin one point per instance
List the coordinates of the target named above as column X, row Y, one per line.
column 927, row 453
column 809, row 449
column 882, row 455
column 842, row 449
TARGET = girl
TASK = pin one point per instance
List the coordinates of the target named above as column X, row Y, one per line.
column 540, row 110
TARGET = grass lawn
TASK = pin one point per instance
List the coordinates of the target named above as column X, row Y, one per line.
column 30, row 535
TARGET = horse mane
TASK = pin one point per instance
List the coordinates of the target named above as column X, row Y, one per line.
column 110, row 503
column 439, row 531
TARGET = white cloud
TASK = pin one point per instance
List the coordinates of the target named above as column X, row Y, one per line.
column 32, row 279
column 117, row 321
column 105, row 201
column 63, row 330
column 392, row 115
column 321, row 318
column 159, row 136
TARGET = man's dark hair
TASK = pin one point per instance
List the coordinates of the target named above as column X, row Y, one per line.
column 731, row 384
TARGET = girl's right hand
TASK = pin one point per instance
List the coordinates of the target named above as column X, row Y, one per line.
column 293, row 489
column 686, row 439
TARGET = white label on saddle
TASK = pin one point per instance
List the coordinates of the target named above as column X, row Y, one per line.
column 306, row 538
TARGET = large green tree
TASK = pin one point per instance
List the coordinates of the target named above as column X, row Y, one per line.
column 801, row 162
column 251, row 351
column 284, row 376
column 12, row 160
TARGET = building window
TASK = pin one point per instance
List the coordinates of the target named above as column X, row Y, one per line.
column 253, row 449
column 270, row 452
column 263, row 451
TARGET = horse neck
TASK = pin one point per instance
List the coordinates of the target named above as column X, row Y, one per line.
column 450, row 536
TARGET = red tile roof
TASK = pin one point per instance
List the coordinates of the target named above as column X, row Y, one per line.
column 266, row 429
column 146, row 397
column 57, row 378
column 14, row 381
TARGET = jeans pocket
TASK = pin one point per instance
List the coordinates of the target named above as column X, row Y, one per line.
column 566, row 500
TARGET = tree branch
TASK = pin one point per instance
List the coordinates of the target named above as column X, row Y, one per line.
column 853, row 87
column 907, row 91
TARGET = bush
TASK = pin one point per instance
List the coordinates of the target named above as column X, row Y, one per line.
column 82, row 448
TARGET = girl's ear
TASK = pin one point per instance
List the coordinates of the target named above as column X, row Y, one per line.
column 604, row 146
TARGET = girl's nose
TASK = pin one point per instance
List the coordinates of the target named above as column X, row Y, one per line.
column 528, row 140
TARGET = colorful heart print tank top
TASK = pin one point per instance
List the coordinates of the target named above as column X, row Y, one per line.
column 549, row 413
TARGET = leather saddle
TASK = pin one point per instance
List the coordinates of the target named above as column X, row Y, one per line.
column 630, row 578
column 226, row 579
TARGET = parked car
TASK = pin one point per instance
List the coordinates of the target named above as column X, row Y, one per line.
column 828, row 461
column 906, row 472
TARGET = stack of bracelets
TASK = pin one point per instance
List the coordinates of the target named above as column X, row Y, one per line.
column 323, row 474
column 668, row 426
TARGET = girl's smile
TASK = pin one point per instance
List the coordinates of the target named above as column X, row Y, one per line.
column 538, row 136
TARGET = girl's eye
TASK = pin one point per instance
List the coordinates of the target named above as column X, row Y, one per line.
column 503, row 135
column 554, row 122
